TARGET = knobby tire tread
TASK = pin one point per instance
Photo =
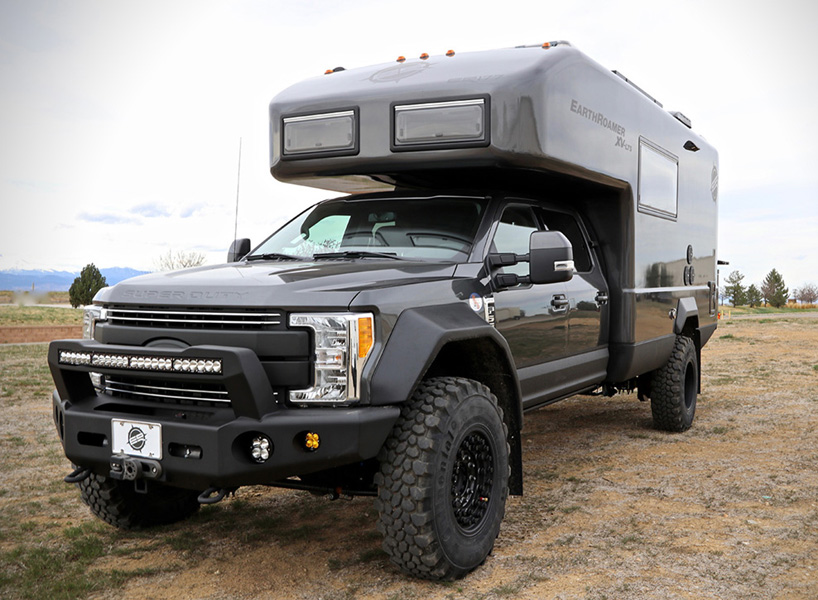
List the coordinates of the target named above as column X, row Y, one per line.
column 118, row 504
column 667, row 400
column 405, row 479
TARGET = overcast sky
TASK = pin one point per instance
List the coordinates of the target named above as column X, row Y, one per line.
column 120, row 121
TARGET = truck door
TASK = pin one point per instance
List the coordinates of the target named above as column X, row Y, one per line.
column 587, row 291
column 532, row 318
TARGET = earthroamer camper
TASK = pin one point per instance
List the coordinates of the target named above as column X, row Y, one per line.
column 523, row 226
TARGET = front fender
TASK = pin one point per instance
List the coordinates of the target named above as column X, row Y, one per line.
column 417, row 339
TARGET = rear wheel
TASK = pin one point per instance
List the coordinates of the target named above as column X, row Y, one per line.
column 674, row 387
column 443, row 479
column 120, row 505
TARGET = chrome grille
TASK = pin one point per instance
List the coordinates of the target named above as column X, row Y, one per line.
column 173, row 392
column 158, row 318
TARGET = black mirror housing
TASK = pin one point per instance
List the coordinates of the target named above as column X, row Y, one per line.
column 238, row 250
column 550, row 257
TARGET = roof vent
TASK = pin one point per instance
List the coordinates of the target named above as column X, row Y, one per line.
column 683, row 119
column 621, row 76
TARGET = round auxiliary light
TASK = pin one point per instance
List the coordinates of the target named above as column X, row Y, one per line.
column 261, row 448
column 311, row 441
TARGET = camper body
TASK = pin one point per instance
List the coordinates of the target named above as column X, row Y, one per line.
column 524, row 226
column 559, row 127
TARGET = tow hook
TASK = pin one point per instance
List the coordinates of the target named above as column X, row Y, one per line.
column 77, row 475
column 130, row 468
column 207, row 496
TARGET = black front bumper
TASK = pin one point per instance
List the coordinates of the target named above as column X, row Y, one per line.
column 209, row 446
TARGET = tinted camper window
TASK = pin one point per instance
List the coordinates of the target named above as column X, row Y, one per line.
column 658, row 181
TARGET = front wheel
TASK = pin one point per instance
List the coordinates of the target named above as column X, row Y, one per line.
column 674, row 387
column 443, row 479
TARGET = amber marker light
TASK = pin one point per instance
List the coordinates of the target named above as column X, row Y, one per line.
column 401, row 59
column 312, row 441
column 450, row 53
column 424, row 56
column 546, row 45
column 365, row 336
column 328, row 71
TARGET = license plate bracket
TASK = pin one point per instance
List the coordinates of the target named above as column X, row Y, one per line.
column 137, row 438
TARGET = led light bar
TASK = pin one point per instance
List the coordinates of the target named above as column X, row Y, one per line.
column 75, row 358
column 141, row 363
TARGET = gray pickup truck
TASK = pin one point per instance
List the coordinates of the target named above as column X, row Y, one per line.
column 523, row 226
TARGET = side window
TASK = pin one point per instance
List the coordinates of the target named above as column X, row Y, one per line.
column 513, row 233
column 658, row 181
column 567, row 224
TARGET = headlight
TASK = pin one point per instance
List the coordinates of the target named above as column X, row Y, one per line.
column 343, row 342
column 92, row 315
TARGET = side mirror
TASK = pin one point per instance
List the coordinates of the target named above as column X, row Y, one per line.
column 238, row 250
column 550, row 257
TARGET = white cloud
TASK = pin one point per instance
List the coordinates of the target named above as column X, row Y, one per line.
column 108, row 219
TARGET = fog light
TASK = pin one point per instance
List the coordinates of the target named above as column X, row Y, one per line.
column 261, row 448
column 312, row 441
column 97, row 380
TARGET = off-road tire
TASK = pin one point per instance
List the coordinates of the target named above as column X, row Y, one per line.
column 120, row 505
column 674, row 387
column 443, row 479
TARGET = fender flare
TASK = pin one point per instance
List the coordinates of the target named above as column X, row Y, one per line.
column 420, row 336
column 687, row 323
column 686, row 309
column 417, row 339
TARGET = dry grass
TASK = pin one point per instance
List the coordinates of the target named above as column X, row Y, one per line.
column 612, row 509
column 13, row 314
column 28, row 298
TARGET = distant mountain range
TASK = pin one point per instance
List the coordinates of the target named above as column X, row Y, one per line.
column 56, row 281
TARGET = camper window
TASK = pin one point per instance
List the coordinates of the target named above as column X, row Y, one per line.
column 658, row 181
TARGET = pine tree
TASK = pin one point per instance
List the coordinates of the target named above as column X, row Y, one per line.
column 735, row 291
column 773, row 289
column 753, row 296
column 85, row 287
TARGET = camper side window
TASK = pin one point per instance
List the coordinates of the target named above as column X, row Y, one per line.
column 658, row 181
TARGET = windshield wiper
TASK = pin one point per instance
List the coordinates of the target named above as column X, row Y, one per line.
column 272, row 256
column 356, row 254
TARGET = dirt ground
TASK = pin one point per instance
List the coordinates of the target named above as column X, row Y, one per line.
column 612, row 508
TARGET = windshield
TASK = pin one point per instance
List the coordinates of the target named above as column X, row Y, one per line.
column 418, row 229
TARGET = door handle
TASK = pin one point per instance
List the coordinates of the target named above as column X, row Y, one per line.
column 559, row 302
column 601, row 298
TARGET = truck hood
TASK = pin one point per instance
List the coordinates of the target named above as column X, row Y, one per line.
column 327, row 283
